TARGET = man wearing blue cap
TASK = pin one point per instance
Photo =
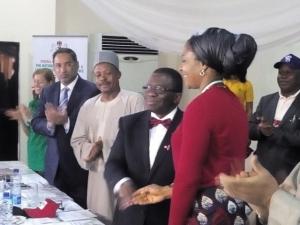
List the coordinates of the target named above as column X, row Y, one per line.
column 276, row 122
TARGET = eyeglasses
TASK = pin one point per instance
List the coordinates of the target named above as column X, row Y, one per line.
column 157, row 89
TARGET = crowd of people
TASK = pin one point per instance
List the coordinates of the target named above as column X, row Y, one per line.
column 140, row 160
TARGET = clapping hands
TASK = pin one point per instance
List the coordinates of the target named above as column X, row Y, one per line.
column 55, row 115
column 95, row 152
column 265, row 127
column 20, row 113
column 255, row 187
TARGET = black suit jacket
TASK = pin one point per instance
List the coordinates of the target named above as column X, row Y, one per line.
column 59, row 152
column 129, row 157
column 280, row 152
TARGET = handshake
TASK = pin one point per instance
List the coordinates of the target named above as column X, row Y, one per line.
column 128, row 195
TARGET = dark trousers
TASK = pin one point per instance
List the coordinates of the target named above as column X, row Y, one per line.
column 77, row 192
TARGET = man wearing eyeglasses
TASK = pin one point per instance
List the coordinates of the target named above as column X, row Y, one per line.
column 141, row 154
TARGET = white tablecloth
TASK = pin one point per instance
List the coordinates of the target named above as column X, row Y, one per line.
column 35, row 190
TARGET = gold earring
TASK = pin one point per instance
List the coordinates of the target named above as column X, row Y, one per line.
column 202, row 73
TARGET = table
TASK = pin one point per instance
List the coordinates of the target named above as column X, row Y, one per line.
column 36, row 189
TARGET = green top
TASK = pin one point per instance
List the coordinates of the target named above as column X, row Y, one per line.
column 36, row 144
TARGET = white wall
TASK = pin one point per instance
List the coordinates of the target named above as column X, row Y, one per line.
column 19, row 21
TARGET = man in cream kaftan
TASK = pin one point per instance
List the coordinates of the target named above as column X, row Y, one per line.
column 96, row 120
column 97, row 126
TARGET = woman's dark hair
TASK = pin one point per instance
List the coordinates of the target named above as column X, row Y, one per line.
column 227, row 53
column 47, row 74
column 244, row 51
column 174, row 75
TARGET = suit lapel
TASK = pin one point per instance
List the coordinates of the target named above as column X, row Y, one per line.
column 56, row 94
column 142, row 136
column 272, row 109
column 75, row 96
column 165, row 147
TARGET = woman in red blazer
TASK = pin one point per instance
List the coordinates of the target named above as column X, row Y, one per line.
column 213, row 135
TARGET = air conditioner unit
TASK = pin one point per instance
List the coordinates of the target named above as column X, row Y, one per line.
column 136, row 61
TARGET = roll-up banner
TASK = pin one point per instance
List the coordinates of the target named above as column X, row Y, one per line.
column 45, row 45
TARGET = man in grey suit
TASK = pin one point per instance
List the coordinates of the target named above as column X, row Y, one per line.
column 276, row 122
column 141, row 154
column 56, row 117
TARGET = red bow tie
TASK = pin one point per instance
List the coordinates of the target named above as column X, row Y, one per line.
column 154, row 122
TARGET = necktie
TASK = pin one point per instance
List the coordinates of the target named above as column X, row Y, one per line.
column 64, row 98
column 154, row 122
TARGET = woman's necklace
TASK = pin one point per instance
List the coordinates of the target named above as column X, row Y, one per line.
column 212, row 84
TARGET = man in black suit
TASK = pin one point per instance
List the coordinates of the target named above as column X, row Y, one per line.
column 56, row 117
column 141, row 153
column 276, row 122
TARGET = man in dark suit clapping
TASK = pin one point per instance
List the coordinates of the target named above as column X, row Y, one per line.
column 56, row 117
column 276, row 122
column 141, row 154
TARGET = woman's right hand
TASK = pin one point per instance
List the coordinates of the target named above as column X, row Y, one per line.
column 151, row 194
column 13, row 114
column 20, row 113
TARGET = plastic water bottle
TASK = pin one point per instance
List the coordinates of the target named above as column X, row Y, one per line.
column 16, row 188
column 6, row 206
column 2, row 182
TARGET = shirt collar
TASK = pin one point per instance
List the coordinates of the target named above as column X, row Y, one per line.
column 168, row 116
column 211, row 84
column 70, row 85
column 291, row 96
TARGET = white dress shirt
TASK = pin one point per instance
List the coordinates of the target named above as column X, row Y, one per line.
column 157, row 134
column 284, row 104
column 70, row 86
